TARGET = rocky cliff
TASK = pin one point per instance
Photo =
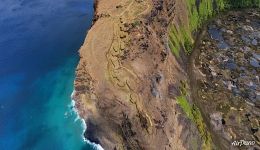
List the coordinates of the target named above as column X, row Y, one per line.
column 131, row 84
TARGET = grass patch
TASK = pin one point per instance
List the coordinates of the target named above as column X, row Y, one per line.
column 182, row 101
column 174, row 49
column 181, row 38
column 194, row 114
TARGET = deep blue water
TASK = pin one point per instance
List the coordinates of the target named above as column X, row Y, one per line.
column 39, row 40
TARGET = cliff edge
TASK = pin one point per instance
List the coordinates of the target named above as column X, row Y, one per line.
column 127, row 80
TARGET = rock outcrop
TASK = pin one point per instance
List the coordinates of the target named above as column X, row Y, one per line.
column 225, row 77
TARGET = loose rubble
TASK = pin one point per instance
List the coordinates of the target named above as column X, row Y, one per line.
column 229, row 87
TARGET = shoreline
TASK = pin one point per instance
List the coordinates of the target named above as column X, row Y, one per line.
column 83, row 122
column 73, row 99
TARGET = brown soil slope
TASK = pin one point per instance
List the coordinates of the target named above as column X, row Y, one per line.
column 127, row 79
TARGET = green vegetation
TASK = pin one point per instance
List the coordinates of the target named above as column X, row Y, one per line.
column 174, row 42
column 186, row 107
column 136, row 23
column 221, row 5
column 193, row 113
column 243, row 3
column 181, row 38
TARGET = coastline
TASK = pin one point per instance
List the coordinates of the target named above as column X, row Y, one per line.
column 74, row 104
column 83, row 123
column 130, row 89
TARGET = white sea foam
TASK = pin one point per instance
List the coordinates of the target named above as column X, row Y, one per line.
column 83, row 123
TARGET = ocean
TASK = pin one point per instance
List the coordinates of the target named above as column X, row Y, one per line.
column 39, row 43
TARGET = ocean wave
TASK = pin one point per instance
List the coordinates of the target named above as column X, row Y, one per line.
column 83, row 123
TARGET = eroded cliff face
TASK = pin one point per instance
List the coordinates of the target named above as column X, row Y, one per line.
column 127, row 79
column 130, row 88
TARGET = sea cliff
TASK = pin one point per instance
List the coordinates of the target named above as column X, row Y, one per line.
column 132, row 83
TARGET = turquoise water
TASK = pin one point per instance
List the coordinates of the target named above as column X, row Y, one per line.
column 39, row 42
column 59, row 127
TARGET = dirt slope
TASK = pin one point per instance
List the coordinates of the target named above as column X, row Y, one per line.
column 127, row 79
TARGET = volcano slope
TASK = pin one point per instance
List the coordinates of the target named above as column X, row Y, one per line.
column 130, row 89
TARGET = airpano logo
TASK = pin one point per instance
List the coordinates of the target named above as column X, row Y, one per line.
column 243, row 143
